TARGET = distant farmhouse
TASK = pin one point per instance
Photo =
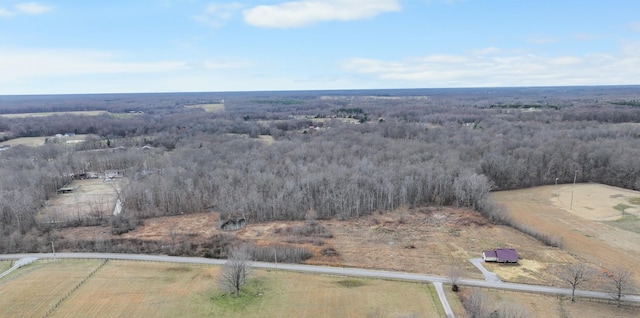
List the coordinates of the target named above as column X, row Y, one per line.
column 500, row 255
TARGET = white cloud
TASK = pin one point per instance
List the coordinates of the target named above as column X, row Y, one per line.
column 28, row 8
column 33, row 63
column 4, row 13
column 217, row 15
column 503, row 69
column 306, row 12
column 32, row 8
column 635, row 26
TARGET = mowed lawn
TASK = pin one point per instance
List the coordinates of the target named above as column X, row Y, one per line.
column 147, row 289
column 31, row 290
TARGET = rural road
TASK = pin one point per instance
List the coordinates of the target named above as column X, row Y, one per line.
column 332, row 271
column 488, row 276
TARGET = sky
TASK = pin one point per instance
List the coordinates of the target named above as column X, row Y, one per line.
column 128, row 46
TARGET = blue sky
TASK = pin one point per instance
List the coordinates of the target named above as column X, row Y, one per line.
column 79, row 46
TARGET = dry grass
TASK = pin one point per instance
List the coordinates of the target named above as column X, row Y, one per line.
column 46, row 114
column 208, row 107
column 4, row 265
column 140, row 289
column 39, row 141
column 146, row 289
column 281, row 294
column 31, row 290
column 91, row 197
column 553, row 306
column 597, row 242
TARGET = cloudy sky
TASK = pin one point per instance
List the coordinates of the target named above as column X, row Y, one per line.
column 79, row 46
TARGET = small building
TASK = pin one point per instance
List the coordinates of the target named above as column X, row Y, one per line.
column 501, row 255
column 66, row 190
column 490, row 256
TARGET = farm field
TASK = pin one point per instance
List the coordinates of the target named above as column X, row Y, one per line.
column 31, row 290
column 589, row 229
column 92, row 198
column 146, row 289
column 45, row 114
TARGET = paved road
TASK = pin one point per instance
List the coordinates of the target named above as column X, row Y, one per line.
column 333, row 271
column 443, row 299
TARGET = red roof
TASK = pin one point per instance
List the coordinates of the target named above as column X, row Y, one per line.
column 507, row 255
column 489, row 253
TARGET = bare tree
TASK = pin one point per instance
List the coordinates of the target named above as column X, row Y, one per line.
column 454, row 272
column 235, row 271
column 575, row 275
column 511, row 310
column 476, row 304
column 620, row 283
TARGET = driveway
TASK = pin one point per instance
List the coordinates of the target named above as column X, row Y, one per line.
column 488, row 276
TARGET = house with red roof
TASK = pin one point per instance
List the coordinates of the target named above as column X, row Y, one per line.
column 501, row 255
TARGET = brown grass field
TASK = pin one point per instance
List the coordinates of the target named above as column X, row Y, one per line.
column 92, row 198
column 146, row 289
column 46, row 114
column 31, row 290
column 587, row 228
column 208, row 107
column 39, row 141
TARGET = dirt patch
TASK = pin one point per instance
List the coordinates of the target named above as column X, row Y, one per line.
column 596, row 201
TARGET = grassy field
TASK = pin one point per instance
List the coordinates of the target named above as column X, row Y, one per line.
column 208, row 107
column 39, row 141
column 593, row 229
column 31, row 290
column 146, row 289
column 45, row 114
column 4, row 265
column 92, row 197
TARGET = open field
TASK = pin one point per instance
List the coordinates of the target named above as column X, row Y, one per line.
column 146, row 289
column 31, row 290
column 45, row 114
column 554, row 306
column 585, row 229
column 4, row 265
column 92, row 198
column 425, row 240
column 39, row 141
column 208, row 107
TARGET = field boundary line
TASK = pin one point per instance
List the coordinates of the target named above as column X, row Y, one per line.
column 80, row 283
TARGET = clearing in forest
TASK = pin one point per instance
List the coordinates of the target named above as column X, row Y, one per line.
column 39, row 141
column 46, row 114
column 91, row 199
column 208, row 107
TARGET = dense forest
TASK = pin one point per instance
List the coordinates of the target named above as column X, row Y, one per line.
column 336, row 154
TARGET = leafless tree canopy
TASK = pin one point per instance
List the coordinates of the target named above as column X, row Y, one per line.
column 339, row 154
column 575, row 275
column 619, row 283
column 233, row 274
